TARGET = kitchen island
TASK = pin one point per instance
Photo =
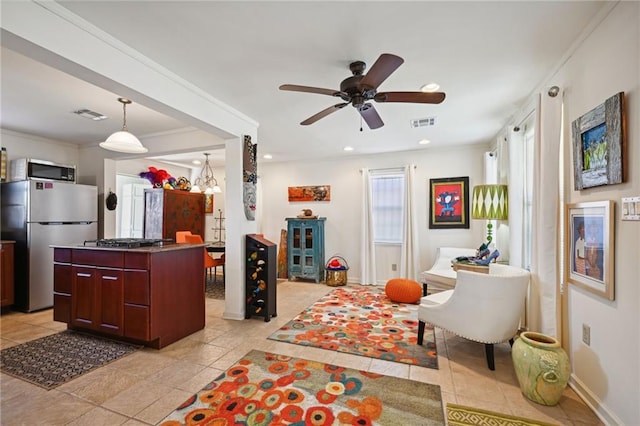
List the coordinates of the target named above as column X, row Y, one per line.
column 148, row 295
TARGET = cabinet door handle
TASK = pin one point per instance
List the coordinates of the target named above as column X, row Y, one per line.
column 83, row 274
column 109, row 277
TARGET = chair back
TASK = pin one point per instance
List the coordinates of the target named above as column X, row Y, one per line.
column 493, row 303
column 181, row 236
column 486, row 308
column 209, row 262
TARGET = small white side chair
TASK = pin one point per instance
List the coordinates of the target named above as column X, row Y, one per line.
column 441, row 276
column 485, row 308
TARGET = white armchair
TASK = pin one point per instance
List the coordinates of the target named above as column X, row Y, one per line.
column 485, row 308
column 441, row 276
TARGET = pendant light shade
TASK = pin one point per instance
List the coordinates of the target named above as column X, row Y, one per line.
column 123, row 141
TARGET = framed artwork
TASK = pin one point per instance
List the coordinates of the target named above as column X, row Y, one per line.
column 208, row 203
column 449, row 203
column 598, row 145
column 589, row 257
column 309, row 193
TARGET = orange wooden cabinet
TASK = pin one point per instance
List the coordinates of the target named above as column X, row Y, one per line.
column 167, row 211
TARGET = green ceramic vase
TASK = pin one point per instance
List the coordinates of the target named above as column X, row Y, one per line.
column 542, row 367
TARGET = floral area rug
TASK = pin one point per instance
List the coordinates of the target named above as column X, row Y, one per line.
column 270, row 389
column 362, row 320
column 53, row 360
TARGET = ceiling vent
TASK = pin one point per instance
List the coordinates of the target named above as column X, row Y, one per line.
column 92, row 115
column 423, row 122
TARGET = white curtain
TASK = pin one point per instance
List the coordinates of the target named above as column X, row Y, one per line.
column 409, row 254
column 368, row 252
column 546, row 211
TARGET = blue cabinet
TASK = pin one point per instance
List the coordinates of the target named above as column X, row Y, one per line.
column 305, row 248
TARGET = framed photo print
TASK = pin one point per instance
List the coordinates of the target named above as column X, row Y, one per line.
column 208, row 203
column 599, row 145
column 589, row 257
column 449, row 203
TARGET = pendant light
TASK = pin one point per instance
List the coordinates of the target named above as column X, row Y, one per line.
column 123, row 141
column 206, row 179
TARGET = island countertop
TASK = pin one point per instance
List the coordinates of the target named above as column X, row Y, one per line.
column 149, row 249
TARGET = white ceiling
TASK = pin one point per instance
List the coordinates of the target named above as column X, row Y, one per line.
column 487, row 56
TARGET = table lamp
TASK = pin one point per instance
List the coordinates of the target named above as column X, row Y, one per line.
column 490, row 202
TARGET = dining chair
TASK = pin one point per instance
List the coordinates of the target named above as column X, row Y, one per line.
column 210, row 263
column 181, row 236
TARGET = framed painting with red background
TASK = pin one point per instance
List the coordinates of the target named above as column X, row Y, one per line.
column 449, row 203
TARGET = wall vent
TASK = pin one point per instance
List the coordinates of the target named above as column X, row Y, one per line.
column 92, row 115
column 423, row 122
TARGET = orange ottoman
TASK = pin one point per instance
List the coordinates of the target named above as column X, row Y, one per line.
column 403, row 290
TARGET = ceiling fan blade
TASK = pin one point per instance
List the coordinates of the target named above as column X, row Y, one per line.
column 414, row 97
column 307, row 89
column 370, row 116
column 381, row 69
column 323, row 113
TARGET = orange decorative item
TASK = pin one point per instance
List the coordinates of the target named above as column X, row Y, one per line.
column 403, row 290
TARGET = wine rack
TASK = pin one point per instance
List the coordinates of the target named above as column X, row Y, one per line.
column 261, row 279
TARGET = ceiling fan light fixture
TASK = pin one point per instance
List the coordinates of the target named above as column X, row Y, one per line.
column 430, row 87
column 123, row 141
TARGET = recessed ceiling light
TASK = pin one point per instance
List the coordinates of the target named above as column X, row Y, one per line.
column 348, row 148
column 430, row 87
column 196, row 162
column 267, row 156
column 424, row 141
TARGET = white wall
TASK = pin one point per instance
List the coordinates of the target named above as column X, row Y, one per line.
column 609, row 369
column 344, row 211
column 22, row 145
column 606, row 373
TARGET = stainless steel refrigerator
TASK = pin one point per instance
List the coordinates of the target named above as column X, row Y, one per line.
column 37, row 214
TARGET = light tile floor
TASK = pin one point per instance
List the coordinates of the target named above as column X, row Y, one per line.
column 144, row 387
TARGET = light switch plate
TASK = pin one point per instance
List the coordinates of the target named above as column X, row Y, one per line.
column 630, row 208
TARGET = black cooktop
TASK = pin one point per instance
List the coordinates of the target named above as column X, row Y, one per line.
column 126, row 242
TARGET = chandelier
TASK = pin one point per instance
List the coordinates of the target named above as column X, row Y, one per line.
column 206, row 180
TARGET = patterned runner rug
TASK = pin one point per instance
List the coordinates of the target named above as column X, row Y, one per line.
column 215, row 290
column 361, row 320
column 270, row 389
column 459, row 415
column 53, row 360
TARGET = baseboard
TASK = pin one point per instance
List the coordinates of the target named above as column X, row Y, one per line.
column 600, row 410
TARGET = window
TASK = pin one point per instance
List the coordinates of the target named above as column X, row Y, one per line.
column 387, row 193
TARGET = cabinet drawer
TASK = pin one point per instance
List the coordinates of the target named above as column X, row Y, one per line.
column 136, row 287
column 62, row 255
column 62, row 278
column 62, row 308
column 109, row 259
column 136, row 260
column 136, row 322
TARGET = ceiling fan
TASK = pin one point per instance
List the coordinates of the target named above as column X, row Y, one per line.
column 360, row 88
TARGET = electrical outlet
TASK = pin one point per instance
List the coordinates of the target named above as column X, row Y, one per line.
column 586, row 334
column 394, row 266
